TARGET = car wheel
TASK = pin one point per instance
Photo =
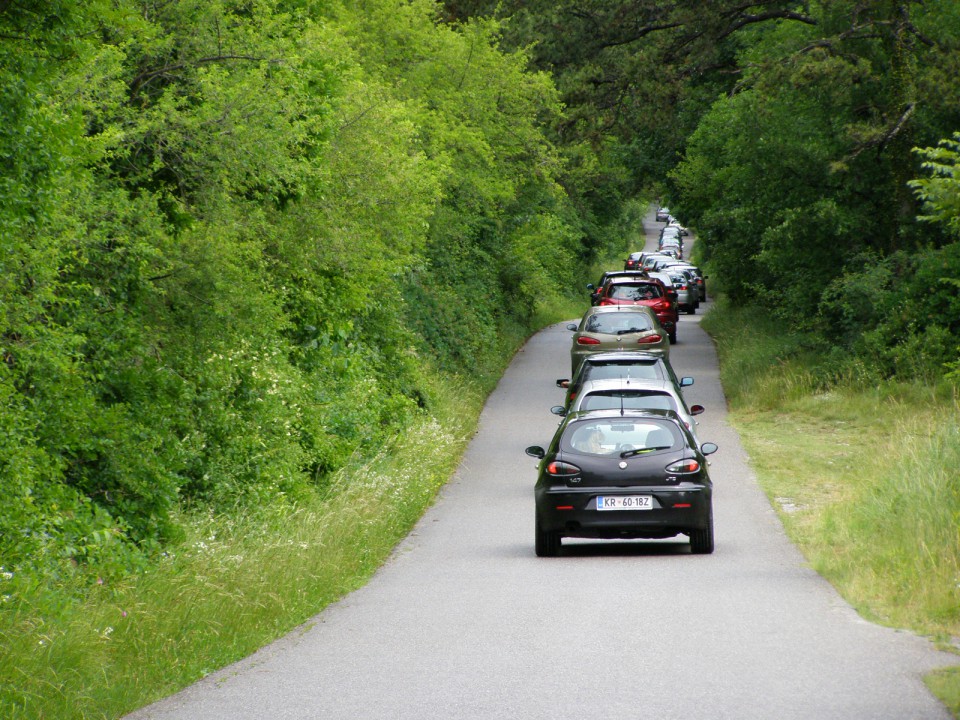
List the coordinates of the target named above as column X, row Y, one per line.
column 546, row 543
column 673, row 337
column 701, row 541
column 691, row 309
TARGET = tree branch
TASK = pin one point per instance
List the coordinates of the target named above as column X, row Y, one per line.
column 148, row 75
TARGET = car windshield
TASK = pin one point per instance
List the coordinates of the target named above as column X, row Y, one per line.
column 619, row 323
column 606, row 436
column 643, row 291
column 637, row 399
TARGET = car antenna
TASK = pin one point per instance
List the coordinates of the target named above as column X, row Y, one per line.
column 621, row 405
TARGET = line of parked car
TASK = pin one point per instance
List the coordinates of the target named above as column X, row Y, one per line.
column 625, row 461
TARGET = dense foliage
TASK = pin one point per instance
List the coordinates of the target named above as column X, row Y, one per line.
column 785, row 133
column 235, row 236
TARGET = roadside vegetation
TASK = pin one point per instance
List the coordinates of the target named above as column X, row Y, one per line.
column 861, row 469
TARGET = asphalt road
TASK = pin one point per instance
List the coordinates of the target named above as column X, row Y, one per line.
column 466, row 622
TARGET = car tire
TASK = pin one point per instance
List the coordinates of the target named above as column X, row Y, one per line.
column 546, row 543
column 691, row 309
column 673, row 337
column 701, row 540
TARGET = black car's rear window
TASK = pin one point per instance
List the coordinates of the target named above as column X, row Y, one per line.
column 641, row 291
column 618, row 323
column 606, row 436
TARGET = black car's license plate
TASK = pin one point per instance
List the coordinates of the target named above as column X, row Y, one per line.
column 625, row 502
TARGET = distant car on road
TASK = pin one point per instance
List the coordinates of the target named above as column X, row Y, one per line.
column 622, row 474
column 616, row 327
column 633, row 261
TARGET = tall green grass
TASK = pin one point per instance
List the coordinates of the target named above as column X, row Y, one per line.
column 864, row 472
column 237, row 583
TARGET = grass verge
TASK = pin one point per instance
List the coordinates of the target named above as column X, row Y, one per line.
column 863, row 474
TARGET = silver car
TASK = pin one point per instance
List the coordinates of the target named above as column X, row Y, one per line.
column 636, row 393
column 685, row 283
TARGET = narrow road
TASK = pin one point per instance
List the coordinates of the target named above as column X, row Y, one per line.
column 465, row 622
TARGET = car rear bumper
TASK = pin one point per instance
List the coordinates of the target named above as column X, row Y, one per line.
column 573, row 512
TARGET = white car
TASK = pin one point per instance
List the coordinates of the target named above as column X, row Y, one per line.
column 635, row 393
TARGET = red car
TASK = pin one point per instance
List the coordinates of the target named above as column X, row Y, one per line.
column 652, row 293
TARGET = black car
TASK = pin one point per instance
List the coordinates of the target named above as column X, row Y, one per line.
column 624, row 365
column 623, row 474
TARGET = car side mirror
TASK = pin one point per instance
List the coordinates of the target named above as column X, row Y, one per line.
column 709, row 448
column 572, row 327
column 558, row 410
column 591, row 286
column 538, row 452
column 696, row 409
column 686, row 381
column 563, row 383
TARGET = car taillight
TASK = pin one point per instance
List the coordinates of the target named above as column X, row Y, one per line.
column 561, row 469
column 686, row 466
column 606, row 301
column 650, row 339
column 587, row 341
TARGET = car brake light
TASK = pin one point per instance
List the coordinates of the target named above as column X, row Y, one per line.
column 688, row 465
column 587, row 341
column 650, row 339
column 562, row 468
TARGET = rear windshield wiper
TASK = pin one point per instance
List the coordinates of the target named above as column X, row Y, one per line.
column 638, row 451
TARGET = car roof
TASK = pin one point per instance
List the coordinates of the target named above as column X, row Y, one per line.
column 666, row 386
column 604, row 309
column 644, row 279
column 662, row 276
column 614, row 356
column 610, row 274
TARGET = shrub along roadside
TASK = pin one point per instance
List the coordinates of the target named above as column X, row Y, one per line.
column 235, row 583
column 862, row 473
